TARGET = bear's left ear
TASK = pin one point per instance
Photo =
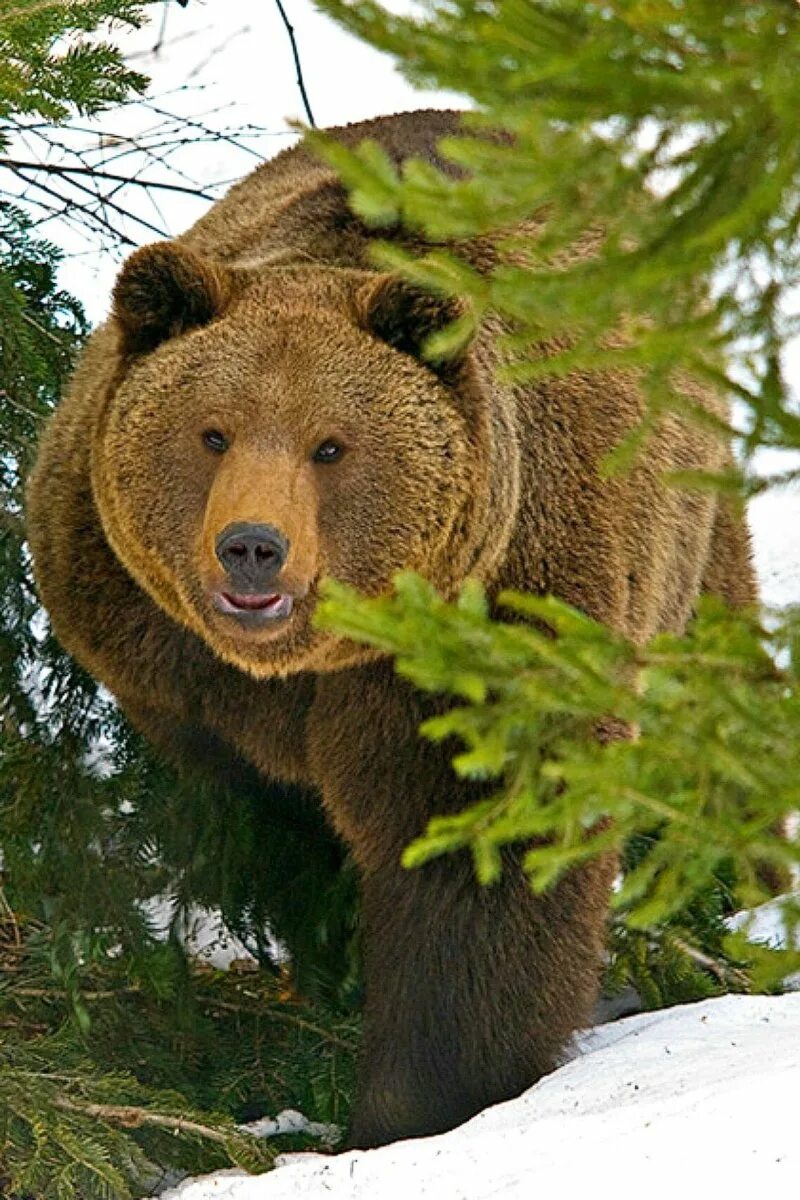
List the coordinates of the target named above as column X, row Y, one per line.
column 164, row 290
column 405, row 317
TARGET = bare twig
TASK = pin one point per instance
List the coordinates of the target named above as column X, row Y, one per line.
column 28, row 412
column 220, row 48
column 78, row 173
column 162, row 30
column 719, row 970
column 63, row 206
column 204, row 130
column 37, row 325
column 48, row 993
column 8, row 916
column 96, row 173
column 270, row 1014
column 130, row 1116
column 24, row 173
column 297, row 64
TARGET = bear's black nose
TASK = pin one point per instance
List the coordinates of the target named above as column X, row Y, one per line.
column 252, row 555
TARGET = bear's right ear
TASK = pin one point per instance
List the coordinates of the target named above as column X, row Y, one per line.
column 164, row 290
column 406, row 316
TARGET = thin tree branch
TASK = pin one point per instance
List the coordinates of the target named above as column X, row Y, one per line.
column 7, row 914
column 54, row 169
column 130, row 1116
column 298, row 67
column 21, row 408
column 720, row 970
column 48, row 333
column 220, row 48
column 270, row 1014
column 101, row 200
column 204, row 130
column 162, row 30
column 45, row 993
column 62, row 213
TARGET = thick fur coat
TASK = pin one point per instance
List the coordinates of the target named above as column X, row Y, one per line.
column 258, row 374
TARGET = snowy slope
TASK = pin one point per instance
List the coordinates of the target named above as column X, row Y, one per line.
column 697, row 1100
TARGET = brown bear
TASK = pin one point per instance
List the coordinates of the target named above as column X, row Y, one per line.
column 256, row 416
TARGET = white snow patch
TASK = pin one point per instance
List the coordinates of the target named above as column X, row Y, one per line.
column 291, row 1121
column 772, row 924
column 767, row 923
column 208, row 939
column 701, row 1098
column 204, row 934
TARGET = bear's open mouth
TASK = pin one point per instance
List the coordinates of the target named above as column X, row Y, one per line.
column 273, row 606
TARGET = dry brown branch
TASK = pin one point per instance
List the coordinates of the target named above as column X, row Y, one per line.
column 30, row 993
column 7, row 915
column 720, row 970
column 130, row 1116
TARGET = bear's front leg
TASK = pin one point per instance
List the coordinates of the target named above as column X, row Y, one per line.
column 471, row 992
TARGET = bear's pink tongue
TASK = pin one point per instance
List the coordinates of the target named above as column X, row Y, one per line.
column 253, row 603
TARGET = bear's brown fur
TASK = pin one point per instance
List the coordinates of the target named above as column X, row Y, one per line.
column 267, row 324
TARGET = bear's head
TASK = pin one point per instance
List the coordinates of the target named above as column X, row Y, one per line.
column 268, row 428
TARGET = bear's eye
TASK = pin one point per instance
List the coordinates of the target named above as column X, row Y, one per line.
column 215, row 440
column 328, row 452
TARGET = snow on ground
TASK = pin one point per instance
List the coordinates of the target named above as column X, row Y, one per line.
column 696, row 1100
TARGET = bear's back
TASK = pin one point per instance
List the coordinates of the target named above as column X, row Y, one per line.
column 295, row 209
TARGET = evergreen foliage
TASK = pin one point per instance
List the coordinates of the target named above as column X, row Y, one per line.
column 111, row 1040
column 163, row 1076
column 706, row 779
column 49, row 67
